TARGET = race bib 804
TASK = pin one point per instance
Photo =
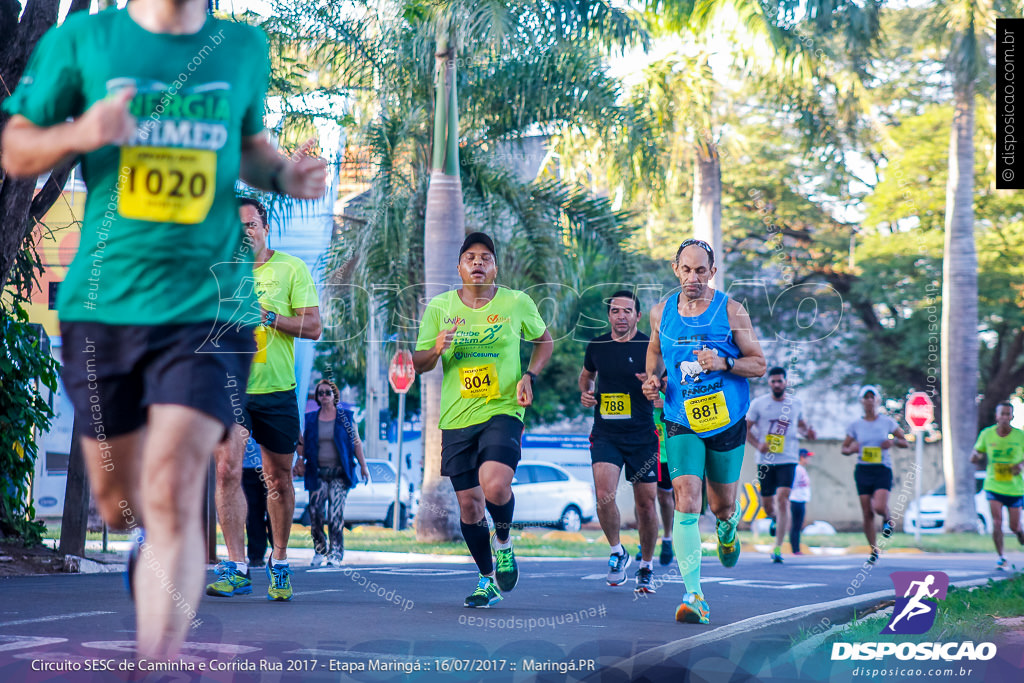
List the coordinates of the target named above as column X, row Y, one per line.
column 480, row 381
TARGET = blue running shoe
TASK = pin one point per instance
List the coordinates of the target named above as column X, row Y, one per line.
column 693, row 610
column 229, row 581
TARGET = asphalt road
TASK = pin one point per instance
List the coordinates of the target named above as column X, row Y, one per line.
column 392, row 622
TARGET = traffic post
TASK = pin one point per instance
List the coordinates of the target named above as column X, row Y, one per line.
column 401, row 375
column 919, row 413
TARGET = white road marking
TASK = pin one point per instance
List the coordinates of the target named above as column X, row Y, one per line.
column 55, row 617
column 187, row 648
column 725, row 581
column 418, row 571
column 9, row 643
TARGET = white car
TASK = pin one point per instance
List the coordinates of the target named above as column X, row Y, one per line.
column 547, row 495
column 933, row 510
column 371, row 502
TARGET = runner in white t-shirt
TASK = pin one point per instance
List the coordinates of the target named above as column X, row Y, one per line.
column 775, row 423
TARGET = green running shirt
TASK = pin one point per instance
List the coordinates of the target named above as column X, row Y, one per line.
column 1003, row 453
column 282, row 284
column 481, row 367
column 161, row 241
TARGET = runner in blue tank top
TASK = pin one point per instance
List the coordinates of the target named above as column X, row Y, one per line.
column 706, row 342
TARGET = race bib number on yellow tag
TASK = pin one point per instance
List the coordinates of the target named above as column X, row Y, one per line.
column 615, row 406
column 166, row 184
column 872, row 454
column 707, row 412
column 776, row 442
column 1003, row 471
column 261, row 345
column 479, row 382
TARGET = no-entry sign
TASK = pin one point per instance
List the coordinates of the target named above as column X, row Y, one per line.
column 920, row 410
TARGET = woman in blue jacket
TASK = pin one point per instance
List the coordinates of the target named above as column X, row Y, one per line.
column 330, row 448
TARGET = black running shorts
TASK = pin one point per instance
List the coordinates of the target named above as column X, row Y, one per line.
column 870, row 478
column 639, row 457
column 113, row 373
column 722, row 442
column 499, row 439
column 272, row 419
column 775, row 477
column 664, row 478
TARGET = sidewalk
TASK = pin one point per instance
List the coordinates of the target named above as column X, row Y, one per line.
column 117, row 556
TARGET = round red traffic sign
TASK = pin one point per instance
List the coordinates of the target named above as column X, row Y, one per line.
column 401, row 373
column 920, row 410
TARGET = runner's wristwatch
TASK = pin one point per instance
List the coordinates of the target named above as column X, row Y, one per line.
column 533, row 376
column 729, row 362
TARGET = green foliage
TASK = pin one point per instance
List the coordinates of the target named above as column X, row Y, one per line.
column 25, row 365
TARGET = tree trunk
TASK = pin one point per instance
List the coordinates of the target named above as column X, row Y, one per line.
column 960, row 320
column 707, row 205
column 438, row 516
column 20, row 38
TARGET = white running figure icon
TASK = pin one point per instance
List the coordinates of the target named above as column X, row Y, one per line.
column 915, row 607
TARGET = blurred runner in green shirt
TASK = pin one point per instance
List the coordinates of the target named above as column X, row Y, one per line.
column 163, row 106
column 1000, row 448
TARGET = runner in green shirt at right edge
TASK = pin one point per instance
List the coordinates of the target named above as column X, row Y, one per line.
column 475, row 332
column 1000, row 450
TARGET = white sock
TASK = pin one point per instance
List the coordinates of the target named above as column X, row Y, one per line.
column 666, row 538
column 241, row 567
column 274, row 562
column 618, row 550
column 498, row 545
column 645, row 563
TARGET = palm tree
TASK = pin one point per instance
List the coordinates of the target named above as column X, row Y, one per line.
column 968, row 28
column 444, row 228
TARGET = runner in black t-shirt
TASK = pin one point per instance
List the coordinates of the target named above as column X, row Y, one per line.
column 623, row 434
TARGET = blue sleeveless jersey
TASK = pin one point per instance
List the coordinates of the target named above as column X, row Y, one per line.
column 721, row 398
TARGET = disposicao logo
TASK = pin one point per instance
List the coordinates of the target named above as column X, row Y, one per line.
column 917, row 604
column 915, row 612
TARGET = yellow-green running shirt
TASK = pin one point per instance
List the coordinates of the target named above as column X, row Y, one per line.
column 481, row 367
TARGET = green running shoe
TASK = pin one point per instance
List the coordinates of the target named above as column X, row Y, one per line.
column 229, row 581
column 485, row 595
column 280, row 587
column 506, row 573
column 693, row 610
column 777, row 555
column 728, row 553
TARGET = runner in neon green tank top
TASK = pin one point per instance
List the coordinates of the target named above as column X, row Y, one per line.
column 475, row 332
